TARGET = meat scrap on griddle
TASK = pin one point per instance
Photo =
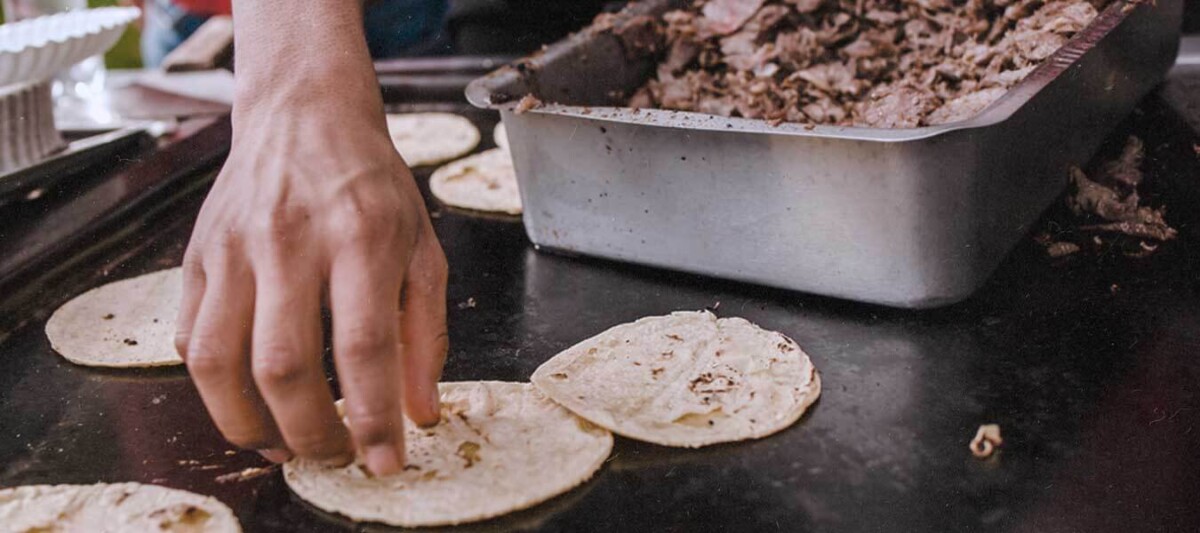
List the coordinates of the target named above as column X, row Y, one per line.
column 873, row 63
column 1108, row 213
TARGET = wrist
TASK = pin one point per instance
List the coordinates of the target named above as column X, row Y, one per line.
column 319, row 90
column 313, row 59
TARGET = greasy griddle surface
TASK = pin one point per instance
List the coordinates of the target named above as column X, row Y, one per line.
column 1096, row 390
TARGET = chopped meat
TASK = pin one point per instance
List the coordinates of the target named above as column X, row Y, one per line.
column 641, row 98
column 1125, row 170
column 639, row 36
column 724, row 17
column 805, row 6
column 798, row 49
column 873, row 63
column 1061, row 249
column 682, row 53
column 1106, row 211
column 895, row 107
column 831, row 78
column 966, row 106
column 1141, row 230
column 527, row 102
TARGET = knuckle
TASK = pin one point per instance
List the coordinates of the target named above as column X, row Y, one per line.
column 248, row 438
column 316, row 444
column 206, row 358
column 364, row 228
column 278, row 223
column 366, row 345
column 192, row 263
column 366, row 222
column 277, row 365
column 221, row 243
column 372, row 427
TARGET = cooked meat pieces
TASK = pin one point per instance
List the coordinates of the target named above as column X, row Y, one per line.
column 1107, row 212
column 873, row 63
column 723, row 17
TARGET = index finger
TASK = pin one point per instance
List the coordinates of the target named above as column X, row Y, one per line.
column 363, row 295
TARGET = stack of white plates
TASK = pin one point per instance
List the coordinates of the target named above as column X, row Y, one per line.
column 31, row 52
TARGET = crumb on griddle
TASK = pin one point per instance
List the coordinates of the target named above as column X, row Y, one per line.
column 987, row 439
column 246, row 474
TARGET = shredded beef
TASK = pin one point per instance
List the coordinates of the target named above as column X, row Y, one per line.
column 1107, row 212
column 874, row 63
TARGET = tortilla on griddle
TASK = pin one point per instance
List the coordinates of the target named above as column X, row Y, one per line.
column 500, row 447
column 128, row 323
column 431, row 138
column 482, row 182
column 687, row 379
column 112, row 508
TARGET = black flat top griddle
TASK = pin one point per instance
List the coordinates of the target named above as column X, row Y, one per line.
column 1091, row 367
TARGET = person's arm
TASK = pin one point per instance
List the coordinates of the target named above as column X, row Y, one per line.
column 313, row 205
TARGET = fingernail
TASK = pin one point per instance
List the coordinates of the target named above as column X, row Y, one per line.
column 383, row 460
column 276, row 455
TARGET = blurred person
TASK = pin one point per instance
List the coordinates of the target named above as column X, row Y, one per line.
column 393, row 27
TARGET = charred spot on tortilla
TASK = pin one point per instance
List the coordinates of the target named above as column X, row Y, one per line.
column 469, row 451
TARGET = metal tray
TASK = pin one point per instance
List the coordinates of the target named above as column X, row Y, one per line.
column 912, row 218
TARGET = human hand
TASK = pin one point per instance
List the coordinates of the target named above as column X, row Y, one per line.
column 314, row 205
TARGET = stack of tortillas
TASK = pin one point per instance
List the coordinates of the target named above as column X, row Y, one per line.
column 128, row 323
column 431, row 138
column 121, row 507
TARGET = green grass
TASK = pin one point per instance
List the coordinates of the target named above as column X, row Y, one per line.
column 126, row 53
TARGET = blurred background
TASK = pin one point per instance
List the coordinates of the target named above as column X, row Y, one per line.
column 476, row 26
column 495, row 26
column 125, row 54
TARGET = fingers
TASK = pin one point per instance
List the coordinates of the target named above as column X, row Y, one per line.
column 218, row 355
column 286, row 360
column 189, row 304
column 424, row 338
column 363, row 295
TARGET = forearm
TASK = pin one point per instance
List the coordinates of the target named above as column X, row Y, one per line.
column 312, row 52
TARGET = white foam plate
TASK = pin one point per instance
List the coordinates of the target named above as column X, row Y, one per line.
column 33, row 50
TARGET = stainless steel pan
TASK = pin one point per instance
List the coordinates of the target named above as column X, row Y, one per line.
column 909, row 218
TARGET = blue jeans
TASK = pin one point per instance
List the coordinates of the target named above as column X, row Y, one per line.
column 393, row 28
